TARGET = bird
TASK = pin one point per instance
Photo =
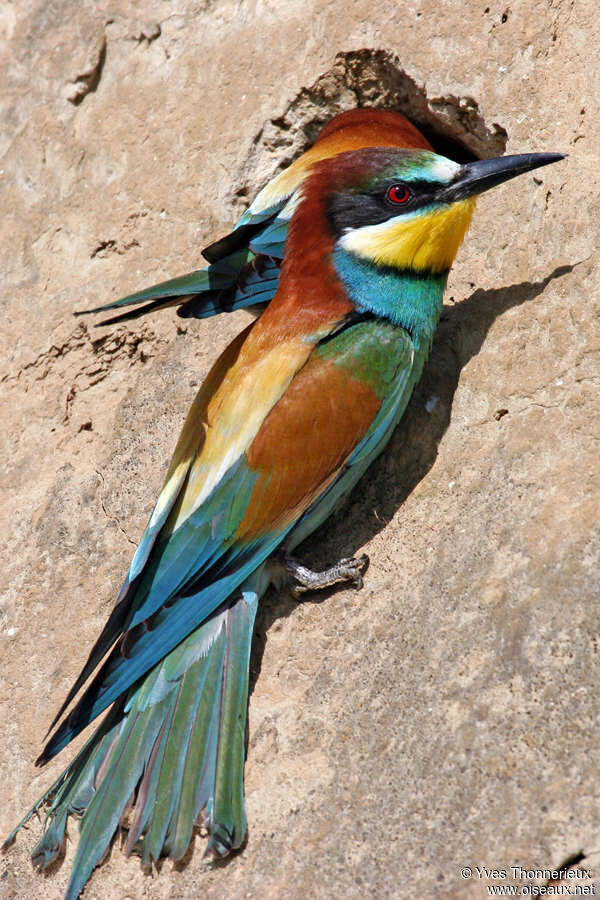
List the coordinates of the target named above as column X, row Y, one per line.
column 243, row 270
column 287, row 421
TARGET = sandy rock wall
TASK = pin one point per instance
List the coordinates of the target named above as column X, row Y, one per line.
column 447, row 715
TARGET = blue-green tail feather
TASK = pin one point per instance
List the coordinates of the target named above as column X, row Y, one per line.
column 169, row 756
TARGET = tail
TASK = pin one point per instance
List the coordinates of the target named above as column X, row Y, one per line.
column 168, row 756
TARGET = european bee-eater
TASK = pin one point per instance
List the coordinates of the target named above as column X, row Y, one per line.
column 287, row 421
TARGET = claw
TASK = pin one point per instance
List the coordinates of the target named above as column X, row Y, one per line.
column 349, row 569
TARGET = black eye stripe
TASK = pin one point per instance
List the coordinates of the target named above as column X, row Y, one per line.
column 372, row 206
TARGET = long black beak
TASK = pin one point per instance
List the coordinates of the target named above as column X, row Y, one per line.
column 483, row 174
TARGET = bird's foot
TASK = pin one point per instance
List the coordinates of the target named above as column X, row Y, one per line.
column 345, row 570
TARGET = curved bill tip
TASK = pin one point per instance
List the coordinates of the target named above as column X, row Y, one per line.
column 479, row 176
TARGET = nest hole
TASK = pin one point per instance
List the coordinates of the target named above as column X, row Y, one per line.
column 453, row 125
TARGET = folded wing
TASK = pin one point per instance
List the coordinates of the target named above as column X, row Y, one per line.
column 252, row 462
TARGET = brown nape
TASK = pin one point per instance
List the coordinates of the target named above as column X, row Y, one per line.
column 401, row 131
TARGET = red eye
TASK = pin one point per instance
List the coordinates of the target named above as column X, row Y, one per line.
column 399, row 193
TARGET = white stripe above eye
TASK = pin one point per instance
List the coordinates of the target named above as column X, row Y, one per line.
column 442, row 169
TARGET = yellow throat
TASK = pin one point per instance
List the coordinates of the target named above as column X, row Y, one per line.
column 427, row 240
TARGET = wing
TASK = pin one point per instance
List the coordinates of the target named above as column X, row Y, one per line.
column 243, row 271
column 242, row 477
